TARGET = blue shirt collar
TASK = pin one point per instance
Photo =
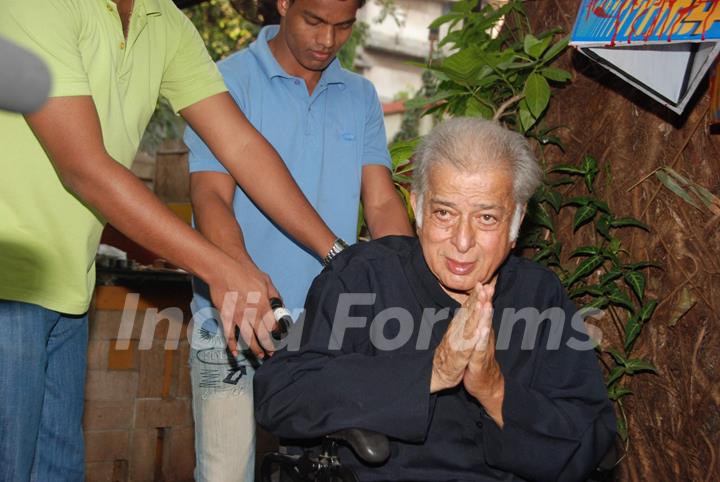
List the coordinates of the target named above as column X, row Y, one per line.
column 260, row 48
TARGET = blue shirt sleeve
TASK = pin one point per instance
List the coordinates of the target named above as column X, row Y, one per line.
column 375, row 143
column 201, row 158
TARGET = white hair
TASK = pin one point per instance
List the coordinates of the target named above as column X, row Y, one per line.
column 472, row 144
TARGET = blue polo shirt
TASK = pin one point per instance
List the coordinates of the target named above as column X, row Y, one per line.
column 325, row 139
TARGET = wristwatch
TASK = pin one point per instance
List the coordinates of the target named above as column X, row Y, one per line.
column 335, row 249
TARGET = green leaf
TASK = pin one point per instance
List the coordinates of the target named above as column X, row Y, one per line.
column 402, row 151
column 584, row 269
column 550, row 250
column 418, row 102
column 557, row 75
column 615, row 374
column 619, row 297
column 475, row 108
column 602, row 206
column 583, row 215
column 552, row 140
column 704, row 195
column 623, row 222
column 556, row 48
column 541, row 46
column 586, row 290
column 554, row 198
column 642, row 264
column 537, row 94
column 561, row 182
column 685, row 303
column 616, row 392
column 638, row 365
column 529, row 42
column 603, row 226
column 636, row 281
column 590, row 167
column 671, row 184
column 647, row 310
column 611, row 275
column 632, row 330
column 585, row 251
column 618, row 357
column 464, row 66
column 449, row 17
column 578, row 201
column 539, row 216
column 597, row 303
column 526, row 118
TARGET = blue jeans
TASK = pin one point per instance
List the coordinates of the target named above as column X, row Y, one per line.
column 222, row 400
column 42, row 382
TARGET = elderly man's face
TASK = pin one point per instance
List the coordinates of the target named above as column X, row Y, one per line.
column 465, row 228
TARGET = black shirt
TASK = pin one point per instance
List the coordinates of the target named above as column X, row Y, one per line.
column 371, row 369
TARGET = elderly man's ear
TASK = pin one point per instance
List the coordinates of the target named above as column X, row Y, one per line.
column 522, row 218
column 413, row 204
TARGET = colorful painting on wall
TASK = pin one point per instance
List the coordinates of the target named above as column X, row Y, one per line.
column 662, row 47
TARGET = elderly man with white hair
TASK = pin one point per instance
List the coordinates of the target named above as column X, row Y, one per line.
column 473, row 361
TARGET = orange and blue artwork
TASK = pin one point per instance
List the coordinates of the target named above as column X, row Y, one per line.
column 612, row 22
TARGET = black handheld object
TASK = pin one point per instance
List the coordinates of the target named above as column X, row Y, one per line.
column 283, row 318
column 24, row 79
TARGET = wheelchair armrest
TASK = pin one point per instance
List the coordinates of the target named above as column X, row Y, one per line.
column 604, row 470
column 372, row 447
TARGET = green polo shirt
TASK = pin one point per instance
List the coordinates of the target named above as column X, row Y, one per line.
column 48, row 238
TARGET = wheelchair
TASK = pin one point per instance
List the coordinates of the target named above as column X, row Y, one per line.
column 374, row 449
column 371, row 447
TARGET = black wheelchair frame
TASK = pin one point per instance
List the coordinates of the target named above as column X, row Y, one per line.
column 371, row 447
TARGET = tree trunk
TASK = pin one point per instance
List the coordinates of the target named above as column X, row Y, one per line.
column 674, row 416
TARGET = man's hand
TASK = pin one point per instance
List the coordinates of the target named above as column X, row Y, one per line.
column 241, row 293
column 454, row 352
column 482, row 378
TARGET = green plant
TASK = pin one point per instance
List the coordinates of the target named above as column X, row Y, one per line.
column 605, row 278
column 348, row 52
column 221, row 27
column 498, row 69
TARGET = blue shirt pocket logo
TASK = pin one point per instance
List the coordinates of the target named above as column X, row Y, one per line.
column 348, row 136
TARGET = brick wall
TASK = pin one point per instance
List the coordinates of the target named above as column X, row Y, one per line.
column 138, row 415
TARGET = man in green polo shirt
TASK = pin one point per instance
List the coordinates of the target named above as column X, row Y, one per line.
column 63, row 172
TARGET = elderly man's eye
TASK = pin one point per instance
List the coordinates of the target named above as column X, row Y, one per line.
column 441, row 213
column 488, row 219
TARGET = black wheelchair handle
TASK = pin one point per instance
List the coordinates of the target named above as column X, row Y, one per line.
column 372, row 447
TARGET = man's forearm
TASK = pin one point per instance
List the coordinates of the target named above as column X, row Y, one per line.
column 216, row 221
column 384, row 209
column 388, row 218
column 129, row 205
column 258, row 169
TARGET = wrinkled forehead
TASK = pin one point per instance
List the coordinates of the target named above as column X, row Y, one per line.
column 469, row 178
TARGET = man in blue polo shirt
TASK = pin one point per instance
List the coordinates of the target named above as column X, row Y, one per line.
column 327, row 125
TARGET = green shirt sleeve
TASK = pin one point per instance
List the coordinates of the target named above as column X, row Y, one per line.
column 51, row 30
column 190, row 74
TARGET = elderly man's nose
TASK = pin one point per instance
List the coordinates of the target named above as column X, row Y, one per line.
column 464, row 236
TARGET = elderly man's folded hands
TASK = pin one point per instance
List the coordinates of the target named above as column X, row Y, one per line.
column 467, row 354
